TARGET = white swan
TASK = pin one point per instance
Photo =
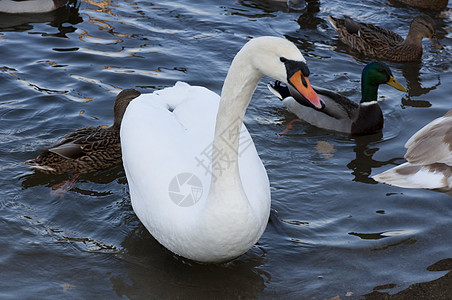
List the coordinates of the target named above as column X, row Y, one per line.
column 30, row 6
column 200, row 189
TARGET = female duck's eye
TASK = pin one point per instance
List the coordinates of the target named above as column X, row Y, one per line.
column 283, row 59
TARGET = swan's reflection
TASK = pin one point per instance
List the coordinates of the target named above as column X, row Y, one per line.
column 154, row 272
column 151, row 271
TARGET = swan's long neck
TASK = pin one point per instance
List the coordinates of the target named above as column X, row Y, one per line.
column 238, row 88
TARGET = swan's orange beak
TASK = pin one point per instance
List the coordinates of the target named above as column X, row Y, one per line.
column 301, row 90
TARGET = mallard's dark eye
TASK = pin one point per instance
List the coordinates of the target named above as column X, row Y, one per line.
column 381, row 70
column 283, row 59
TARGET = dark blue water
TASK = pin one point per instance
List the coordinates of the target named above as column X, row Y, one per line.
column 334, row 231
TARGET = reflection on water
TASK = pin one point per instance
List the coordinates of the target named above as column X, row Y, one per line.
column 153, row 271
column 363, row 163
column 36, row 178
column 411, row 72
column 275, row 5
column 23, row 22
column 436, row 289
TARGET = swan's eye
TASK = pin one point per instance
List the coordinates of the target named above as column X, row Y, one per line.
column 283, row 59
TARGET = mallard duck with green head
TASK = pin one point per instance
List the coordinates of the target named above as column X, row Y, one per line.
column 380, row 43
column 340, row 113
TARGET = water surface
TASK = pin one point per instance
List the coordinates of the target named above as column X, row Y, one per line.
column 334, row 231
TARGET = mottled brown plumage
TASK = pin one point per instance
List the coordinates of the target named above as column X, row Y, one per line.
column 377, row 42
column 425, row 3
column 87, row 149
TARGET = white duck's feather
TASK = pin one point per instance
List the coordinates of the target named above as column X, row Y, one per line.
column 432, row 143
column 411, row 176
column 429, row 156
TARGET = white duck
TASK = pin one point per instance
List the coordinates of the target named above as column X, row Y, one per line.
column 30, row 6
column 195, row 178
column 429, row 157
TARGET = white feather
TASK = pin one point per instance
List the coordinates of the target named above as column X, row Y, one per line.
column 422, row 179
column 429, row 158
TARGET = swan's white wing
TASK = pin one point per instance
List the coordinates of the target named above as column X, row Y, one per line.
column 432, row 143
column 161, row 134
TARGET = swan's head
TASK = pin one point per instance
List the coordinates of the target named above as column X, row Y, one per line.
column 281, row 60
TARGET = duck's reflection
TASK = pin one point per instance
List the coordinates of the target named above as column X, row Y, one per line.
column 59, row 18
column 412, row 74
column 363, row 163
column 440, row 288
column 154, row 272
column 309, row 19
column 80, row 183
column 276, row 5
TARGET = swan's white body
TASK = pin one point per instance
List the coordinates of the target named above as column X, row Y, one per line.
column 188, row 130
column 152, row 160
column 429, row 157
column 30, row 6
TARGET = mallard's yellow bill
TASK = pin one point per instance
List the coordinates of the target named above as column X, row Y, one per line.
column 395, row 84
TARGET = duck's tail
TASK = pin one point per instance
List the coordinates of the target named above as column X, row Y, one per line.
column 36, row 165
column 407, row 175
column 333, row 21
column 280, row 91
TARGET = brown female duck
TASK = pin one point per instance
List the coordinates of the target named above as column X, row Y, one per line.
column 87, row 149
column 377, row 42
